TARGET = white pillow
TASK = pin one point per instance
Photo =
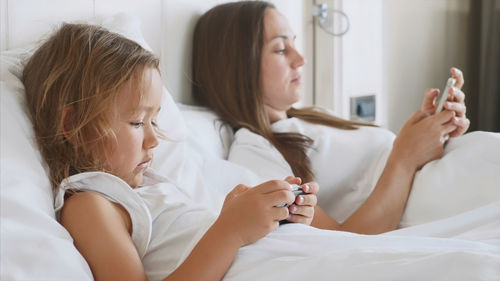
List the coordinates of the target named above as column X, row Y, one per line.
column 33, row 244
column 207, row 133
column 465, row 178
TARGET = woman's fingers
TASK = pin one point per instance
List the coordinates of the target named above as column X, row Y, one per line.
column 458, row 108
column 444, row 117
column 429, row 103
column 459, row 76
column 417, row 116
column 462, row 125
column 457, row 94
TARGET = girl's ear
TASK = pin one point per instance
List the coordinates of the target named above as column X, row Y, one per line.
column 67, row 122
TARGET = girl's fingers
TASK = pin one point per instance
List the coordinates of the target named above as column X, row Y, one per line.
column 238, row 190
column 306, row 200
column 305, row 211
column 310, row 187
column 280, row 213
column 280, row 198
column 271, row 186
column 293, row 180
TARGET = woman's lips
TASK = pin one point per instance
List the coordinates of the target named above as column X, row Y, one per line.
column 297, row 79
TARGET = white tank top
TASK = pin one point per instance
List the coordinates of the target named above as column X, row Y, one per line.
column 166, row 223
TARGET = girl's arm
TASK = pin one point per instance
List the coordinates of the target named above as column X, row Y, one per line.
column 247, row 215
column 102, row 233
column 420, row 140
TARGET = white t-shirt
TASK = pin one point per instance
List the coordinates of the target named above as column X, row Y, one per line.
column 346, row 163
column 166, row 223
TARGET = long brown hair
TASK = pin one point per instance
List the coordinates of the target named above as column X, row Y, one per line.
column 79, row 68
column 226, row 61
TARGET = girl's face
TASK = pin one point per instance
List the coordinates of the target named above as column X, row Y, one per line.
column 280, row 66
column 134, row 123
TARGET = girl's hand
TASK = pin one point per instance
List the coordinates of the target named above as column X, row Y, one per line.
column 422, row 138
column 249, row 214
column 454, row 103
column 302, row 211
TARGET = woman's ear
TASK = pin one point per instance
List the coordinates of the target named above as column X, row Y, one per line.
column 67, row 122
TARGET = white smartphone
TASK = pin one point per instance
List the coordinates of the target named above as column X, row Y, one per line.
column 443, row 96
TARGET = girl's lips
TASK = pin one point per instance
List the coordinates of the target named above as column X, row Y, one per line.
column 297, row 79
column 144, row 164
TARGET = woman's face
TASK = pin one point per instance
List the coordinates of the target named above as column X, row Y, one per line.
column 280, row 79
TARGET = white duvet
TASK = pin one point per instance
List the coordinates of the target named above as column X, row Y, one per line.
column 463, row 246
column 470, row 251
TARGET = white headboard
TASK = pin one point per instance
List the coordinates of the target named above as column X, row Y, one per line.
column 167, row 26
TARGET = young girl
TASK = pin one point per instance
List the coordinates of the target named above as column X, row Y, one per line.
column 93, row 97
column 246, row 68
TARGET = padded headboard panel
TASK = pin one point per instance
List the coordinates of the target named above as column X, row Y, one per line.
column 166, row 25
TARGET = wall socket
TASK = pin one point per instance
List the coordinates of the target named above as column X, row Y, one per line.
column 363, row 108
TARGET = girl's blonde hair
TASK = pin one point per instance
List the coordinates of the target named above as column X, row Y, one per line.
column 226, row 62
column 78, row 71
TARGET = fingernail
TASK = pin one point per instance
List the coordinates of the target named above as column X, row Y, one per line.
column 300, row 199
column 292, row 209
column 305, row 187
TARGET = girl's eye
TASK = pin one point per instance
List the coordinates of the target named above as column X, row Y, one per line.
column 137, row 124
column 154, row 123
column 281, row 51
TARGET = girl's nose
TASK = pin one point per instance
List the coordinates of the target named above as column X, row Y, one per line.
column 150, row 138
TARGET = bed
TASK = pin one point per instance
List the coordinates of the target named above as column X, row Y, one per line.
column 455, row 235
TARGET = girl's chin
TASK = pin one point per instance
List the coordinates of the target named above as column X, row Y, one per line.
column 136, row 179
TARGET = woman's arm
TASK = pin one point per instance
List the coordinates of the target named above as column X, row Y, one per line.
column 420, row 140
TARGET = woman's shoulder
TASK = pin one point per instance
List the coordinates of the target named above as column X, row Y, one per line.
column 316, row 131
column 247, row 137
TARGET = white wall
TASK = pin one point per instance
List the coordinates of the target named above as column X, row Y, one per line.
column 422, row 40
column 167, row 26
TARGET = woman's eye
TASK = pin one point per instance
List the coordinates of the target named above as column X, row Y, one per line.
column 154, row 123
column 281, row 51
column 137, row 124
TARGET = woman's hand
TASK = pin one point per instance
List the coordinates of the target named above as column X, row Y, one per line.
column 303, row 209
column 249, row 214
column 422, row 137
column 455, row 102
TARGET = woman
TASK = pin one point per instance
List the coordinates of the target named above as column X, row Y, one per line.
column 245, row 67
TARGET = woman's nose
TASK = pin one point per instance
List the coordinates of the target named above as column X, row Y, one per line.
column 298, row 60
